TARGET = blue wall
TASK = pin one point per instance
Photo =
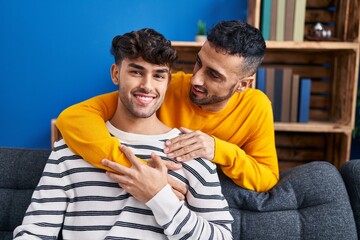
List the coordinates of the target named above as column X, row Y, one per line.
column 56, row 53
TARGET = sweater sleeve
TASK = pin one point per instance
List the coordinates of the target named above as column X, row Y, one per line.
column 205, row 215
column 254, row 165
column 44, row 216
column 84, row 130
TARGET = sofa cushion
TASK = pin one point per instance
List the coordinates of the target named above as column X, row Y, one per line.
column 309, row 202
column 350, row 172
column 20, row 171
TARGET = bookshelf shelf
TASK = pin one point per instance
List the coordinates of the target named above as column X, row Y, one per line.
column 311, row 46
column 333, row 68
column 313, row 126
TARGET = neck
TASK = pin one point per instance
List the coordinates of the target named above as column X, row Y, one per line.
column 146, row 126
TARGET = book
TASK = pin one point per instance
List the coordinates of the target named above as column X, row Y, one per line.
column 273, row 19
column 261, row 79
column 286, row 95
column 265, row 18
column 270, row 80
column 299, row 20
column 289, row 20
column 294, row 100
column 278, row 84
column 304, row 100
column 280, row 20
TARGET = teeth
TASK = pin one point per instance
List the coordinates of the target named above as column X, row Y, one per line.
column 144, row 98
column 199, row 90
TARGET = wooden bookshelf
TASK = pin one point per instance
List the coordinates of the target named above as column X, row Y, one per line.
column 327, row 136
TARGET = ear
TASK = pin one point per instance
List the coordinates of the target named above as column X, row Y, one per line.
column 244, row 84
column 114, row 72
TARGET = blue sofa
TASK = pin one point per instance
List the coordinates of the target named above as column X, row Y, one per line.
column 309, row 202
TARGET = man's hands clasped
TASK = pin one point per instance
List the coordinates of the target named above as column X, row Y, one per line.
column 145, row 181
column 190, row 145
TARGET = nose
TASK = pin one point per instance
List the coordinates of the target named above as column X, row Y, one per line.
column 197, row 77
column 146, row 83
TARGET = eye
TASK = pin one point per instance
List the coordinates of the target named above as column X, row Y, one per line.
column 160, row 76
column 212, row 74
column 135, row 73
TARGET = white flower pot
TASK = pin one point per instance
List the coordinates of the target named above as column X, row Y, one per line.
column 200, row 38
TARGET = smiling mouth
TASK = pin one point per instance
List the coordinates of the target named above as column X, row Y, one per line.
column 144, row 99
column 198, row 90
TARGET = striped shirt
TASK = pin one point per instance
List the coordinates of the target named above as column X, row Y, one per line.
column 81, row 201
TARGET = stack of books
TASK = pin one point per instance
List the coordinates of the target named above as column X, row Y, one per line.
column 288, row 92
column 283, row 20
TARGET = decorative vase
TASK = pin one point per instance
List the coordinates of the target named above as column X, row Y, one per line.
column 200, row 38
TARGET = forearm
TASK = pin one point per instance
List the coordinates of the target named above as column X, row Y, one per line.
column 83, row 129
column 257, row 172
column 179, row 222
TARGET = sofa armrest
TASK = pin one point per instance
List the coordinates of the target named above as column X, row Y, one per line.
column 350, row 172
column 309, row 202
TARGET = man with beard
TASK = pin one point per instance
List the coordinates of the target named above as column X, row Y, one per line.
column 223, row 119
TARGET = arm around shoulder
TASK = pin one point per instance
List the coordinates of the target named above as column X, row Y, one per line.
column 84, row 130
column 252, row 161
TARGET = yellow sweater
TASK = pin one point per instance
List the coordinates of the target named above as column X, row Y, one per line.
column 243, row 131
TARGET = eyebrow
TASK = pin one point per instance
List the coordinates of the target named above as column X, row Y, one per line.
column 221, row 76
column 134, row 65
column 160, row 70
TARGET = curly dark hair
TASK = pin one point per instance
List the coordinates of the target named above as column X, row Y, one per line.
column 239, row 38
column 147, row 43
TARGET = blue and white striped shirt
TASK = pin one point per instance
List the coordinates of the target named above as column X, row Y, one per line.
column 81, row 201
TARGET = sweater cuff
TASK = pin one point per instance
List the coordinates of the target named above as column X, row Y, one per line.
column 219, row 156
column 164, row 205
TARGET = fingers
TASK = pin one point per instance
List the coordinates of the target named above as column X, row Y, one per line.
column 120, row 179
column 185, row 130
column 172, row 165
column 179, row 142
column 191, row 145
column 178, row 188
column 115, row 166
column 179, row 195
column 158, row 163
column 131, row 156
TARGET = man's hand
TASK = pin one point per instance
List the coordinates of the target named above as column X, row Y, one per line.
column 190, row 145
column 137, row 178
column 178, row 187
column 141, row 181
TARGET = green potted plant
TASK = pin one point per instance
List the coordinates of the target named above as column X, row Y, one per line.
column 201, row 33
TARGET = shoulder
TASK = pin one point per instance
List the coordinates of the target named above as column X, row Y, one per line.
column 180, row 76
column 179, row 85
column 257, row 95
column 201, row 169
column 64, row 156
column 180, row 79
column 256, row 99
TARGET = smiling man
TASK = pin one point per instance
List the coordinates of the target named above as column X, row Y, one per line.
column 223, row 118
column 85, row 203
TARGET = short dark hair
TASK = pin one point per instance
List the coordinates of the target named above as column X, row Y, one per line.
column 147, row 43
column 239, row 38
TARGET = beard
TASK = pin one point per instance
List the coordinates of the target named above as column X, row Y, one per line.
column 210, row 99
column 138, row 111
